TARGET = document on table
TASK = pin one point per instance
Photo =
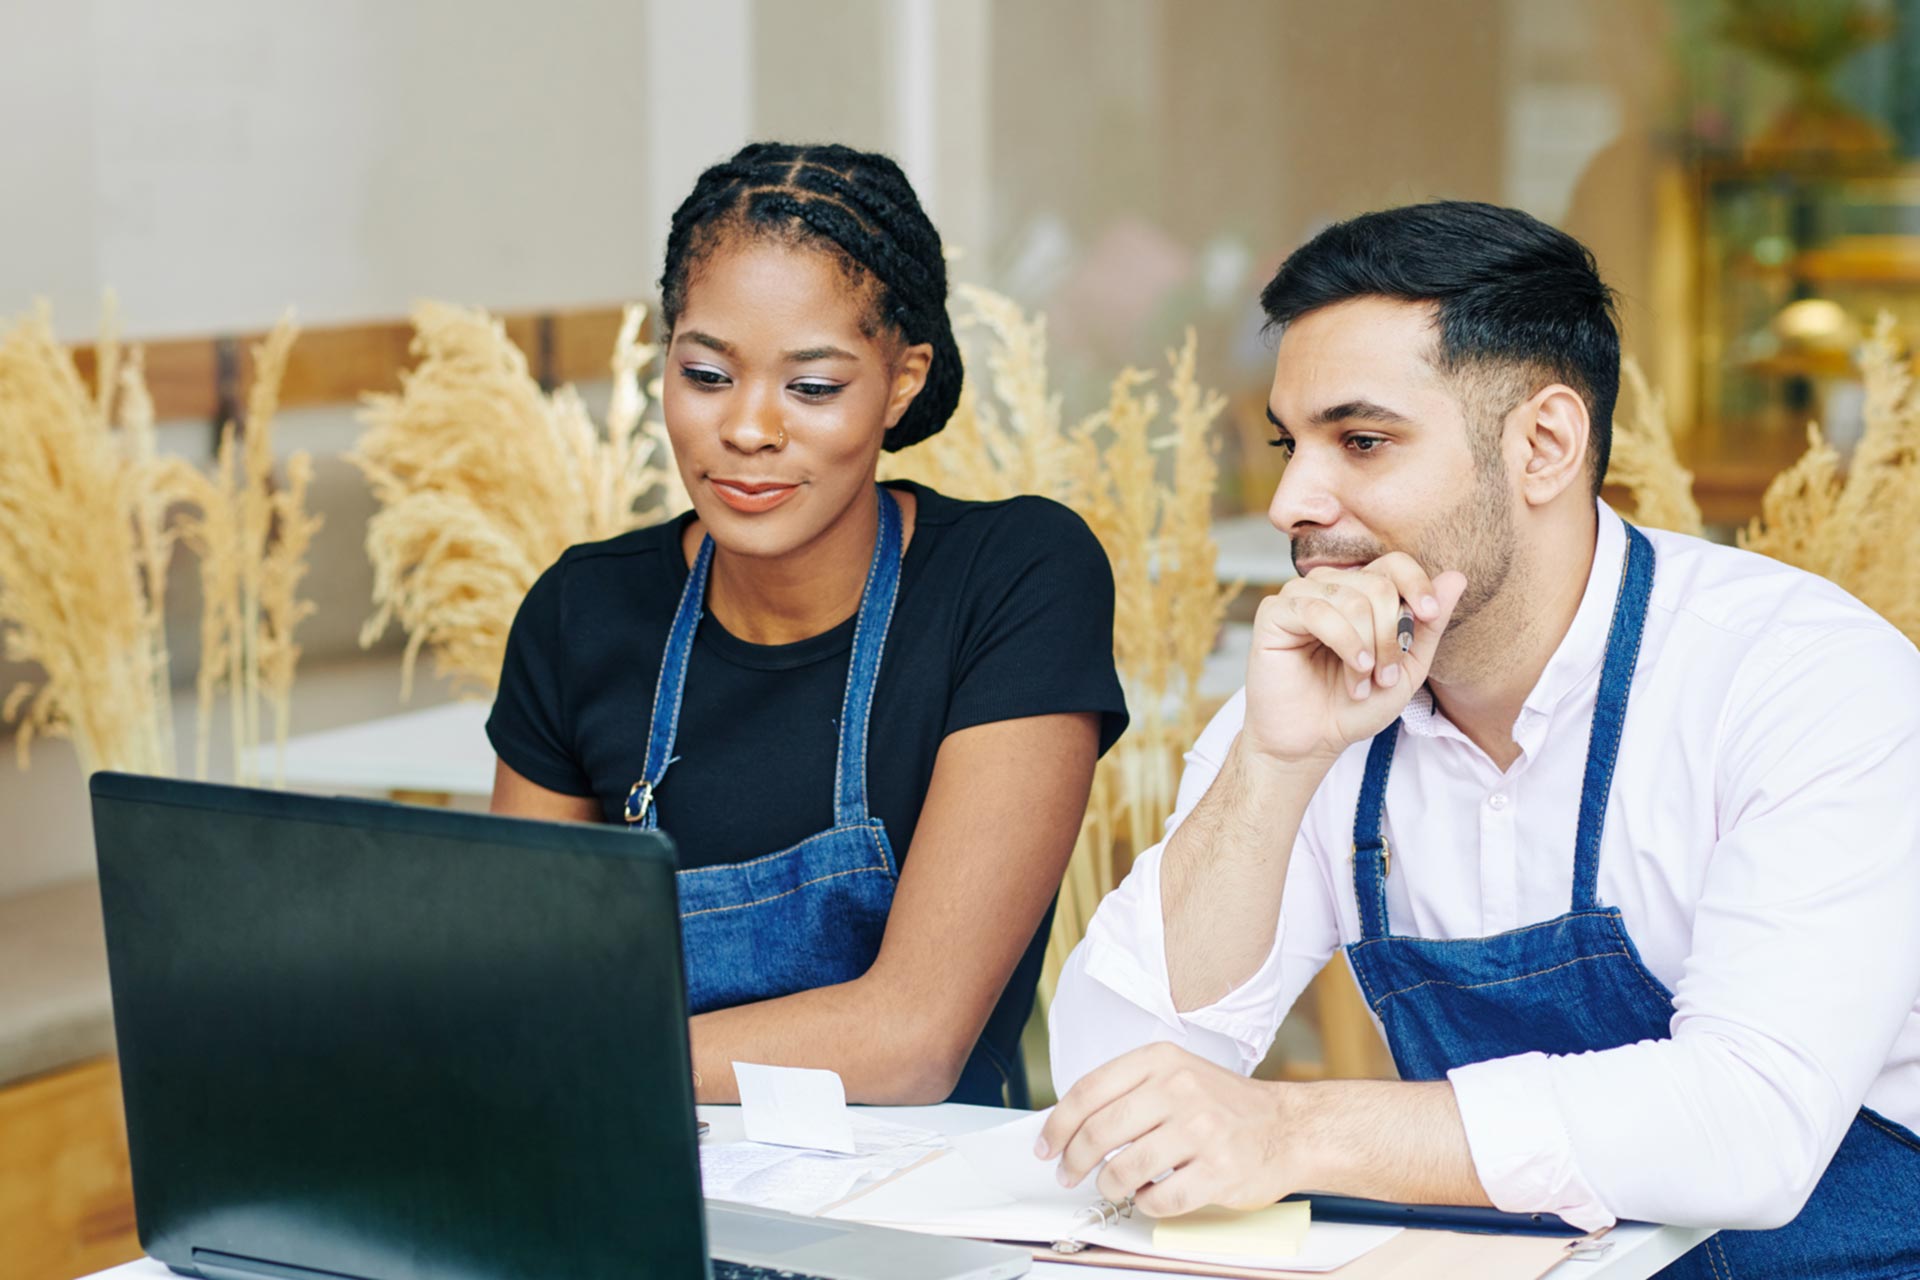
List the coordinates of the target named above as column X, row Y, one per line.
column 991, row 1186
column 800, row 1181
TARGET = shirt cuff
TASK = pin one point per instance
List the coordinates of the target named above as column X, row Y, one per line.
column 1521, row 1149
column 1126, row 951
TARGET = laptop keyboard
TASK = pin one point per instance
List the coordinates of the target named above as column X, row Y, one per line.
column 747, row 1271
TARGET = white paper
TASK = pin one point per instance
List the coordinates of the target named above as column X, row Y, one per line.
column 724, row 1165
column 1003, row 1158
column 794, row 1107
column 872, row 1137
column 806, row 1182
column 948, row 1197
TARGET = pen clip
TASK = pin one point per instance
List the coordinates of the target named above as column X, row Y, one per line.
column 1590, row 1247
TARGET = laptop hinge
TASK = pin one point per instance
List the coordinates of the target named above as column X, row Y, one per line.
column 212, row 1264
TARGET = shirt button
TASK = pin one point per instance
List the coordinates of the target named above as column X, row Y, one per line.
column 1497, row 801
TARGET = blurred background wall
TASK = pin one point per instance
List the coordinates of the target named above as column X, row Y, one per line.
column 1132, row 167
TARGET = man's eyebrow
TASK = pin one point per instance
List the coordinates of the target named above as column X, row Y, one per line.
column 708, row 340
column 1351, row 411
column 806, row 354
column 1358, row 411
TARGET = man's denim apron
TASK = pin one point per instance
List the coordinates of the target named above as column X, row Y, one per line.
column 812, row 915
column 1576, row 984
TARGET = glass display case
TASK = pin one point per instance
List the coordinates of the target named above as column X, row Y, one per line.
column 1795, row 264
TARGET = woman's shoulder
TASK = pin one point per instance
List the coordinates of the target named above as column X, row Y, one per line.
column 621, row 554
column 1004, row 525
column 584, row 572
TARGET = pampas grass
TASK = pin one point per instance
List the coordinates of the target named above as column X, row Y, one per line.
column 1856, row 523
column 83, row 552
column 1009, row 436
column 251, row 539
column 89, row 518
column 1860, row 529
column 1643, row 459
column 483, row 480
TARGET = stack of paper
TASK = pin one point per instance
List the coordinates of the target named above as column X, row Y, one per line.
column 805, row 1150
column 991, row 1186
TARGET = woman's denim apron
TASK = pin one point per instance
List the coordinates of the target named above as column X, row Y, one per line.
column 812, row 915
column 1576, row 983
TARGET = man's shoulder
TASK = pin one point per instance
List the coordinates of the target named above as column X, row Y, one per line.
column 1747, row 599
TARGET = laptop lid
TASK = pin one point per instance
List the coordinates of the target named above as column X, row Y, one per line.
column 373, row 1041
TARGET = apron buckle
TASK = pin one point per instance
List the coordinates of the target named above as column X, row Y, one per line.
column 1386, row 856
column 639, row 801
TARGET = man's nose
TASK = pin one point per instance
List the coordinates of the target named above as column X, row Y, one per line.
column 1305, row 496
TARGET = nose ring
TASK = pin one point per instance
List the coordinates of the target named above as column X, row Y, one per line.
column 781, row 443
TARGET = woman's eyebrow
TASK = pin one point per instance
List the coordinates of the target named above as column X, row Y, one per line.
column 805, row 354
column 708, row 340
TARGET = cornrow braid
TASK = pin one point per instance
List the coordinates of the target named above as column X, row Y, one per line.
column 861, row 205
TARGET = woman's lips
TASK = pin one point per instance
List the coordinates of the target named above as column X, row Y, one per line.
column 752, row 497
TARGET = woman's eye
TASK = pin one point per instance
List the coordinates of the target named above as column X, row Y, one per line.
column 702, row 377
column 1283, row 443
column 818, row 390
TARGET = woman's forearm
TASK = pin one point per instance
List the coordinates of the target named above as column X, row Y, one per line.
column 890, row 1047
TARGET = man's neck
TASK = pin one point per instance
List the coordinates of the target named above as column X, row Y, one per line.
column 1506, row 647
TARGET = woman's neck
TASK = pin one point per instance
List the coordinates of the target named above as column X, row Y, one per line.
column 814, row 588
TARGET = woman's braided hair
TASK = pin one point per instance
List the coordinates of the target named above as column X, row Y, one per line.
column 856, row 203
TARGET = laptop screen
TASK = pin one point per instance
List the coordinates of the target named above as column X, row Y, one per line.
column 397, row 1043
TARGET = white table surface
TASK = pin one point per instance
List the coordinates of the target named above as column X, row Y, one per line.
column 441, row 749
column 1635, row 1252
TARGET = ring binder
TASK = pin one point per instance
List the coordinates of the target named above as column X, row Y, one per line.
column 1097, row 1216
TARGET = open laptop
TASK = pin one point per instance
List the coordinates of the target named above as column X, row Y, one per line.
column 363, row 1041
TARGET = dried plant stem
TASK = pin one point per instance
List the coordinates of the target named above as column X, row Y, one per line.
column 82, row 552
column 483, row 481
column 1008, row 437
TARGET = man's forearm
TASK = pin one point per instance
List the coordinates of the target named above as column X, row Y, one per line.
column 1381, row 1139
column 1223, row 871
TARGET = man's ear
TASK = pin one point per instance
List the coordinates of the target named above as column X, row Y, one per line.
column 909, row 376
column 1553, row 431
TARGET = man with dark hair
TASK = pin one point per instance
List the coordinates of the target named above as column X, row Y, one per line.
column 1615, row 828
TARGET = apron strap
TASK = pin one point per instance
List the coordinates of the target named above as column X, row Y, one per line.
column 1610, row 714
column 669, row 691
column 1370, row 856
column 863, row 669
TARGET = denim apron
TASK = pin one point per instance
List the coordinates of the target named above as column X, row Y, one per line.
column 1576, row 984
column 811, row 915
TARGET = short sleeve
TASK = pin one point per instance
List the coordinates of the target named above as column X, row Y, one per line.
column 530, row 726
column 1038, row 621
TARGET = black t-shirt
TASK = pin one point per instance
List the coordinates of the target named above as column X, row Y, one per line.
column 1005, row 610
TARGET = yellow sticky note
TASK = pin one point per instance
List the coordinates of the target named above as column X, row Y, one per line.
column 1273, row 1232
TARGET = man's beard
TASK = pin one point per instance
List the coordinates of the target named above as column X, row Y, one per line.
column 1477, row 536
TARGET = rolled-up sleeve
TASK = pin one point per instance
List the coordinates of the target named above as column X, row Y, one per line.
column 1114, row 994
column 1801, row 973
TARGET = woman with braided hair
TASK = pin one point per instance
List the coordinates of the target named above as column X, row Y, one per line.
column 868, row 715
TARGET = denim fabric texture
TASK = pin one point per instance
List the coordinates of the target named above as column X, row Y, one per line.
column 811, row 915
column 1576, row 984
